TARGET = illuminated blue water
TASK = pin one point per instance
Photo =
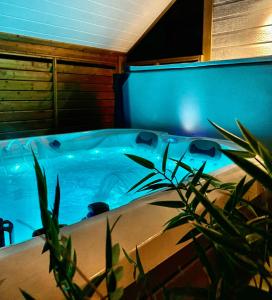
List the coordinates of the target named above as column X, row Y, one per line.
column 91, row 167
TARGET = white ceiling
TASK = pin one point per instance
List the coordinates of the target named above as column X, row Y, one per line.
column 108, row 24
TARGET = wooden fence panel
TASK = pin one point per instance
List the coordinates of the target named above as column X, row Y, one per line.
column 26, row 96
column 50, row 87
column 85, row 96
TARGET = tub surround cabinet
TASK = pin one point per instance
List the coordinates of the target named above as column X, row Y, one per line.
column 35, row 279
column 48, row 87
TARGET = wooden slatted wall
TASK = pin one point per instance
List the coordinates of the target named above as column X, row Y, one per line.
column 241, row 28
column 26, row 97
column 85, row 96
column 53, row 87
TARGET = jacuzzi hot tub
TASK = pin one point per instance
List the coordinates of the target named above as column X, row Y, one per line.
column 92, row 166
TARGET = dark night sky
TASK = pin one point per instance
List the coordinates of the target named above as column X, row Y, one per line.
column 178, row 33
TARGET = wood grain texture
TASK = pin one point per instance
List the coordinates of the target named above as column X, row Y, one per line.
column 48, row 49
column 42, row 81
column 85, row 70
column 246, row 21
column 6, row 106
column 83, row 87
column 79, row 78
column 241, row 29
column 25, row 115
column 26, row 125
column 241, row 7
column 84, row 96
column 100, row 105
column 18, row 64
column 26, row 95
column 18, row 85
column 25, row 75
column 110, row 24
column 242, row 51
column 244, row 37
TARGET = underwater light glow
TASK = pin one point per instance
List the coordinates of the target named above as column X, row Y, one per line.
column 189, row 114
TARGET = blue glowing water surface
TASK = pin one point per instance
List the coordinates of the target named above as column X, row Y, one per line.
column 88, row 174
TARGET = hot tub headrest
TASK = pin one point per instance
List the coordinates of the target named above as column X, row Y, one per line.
column 55, row 144
column 147, row 138
column 206, row 148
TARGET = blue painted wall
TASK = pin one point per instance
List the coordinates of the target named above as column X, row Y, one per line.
column 180, row 98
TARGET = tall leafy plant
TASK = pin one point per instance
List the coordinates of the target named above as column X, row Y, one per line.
column 239, row 232
column 62, row 256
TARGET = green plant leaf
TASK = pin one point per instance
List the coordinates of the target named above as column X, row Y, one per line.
column 115, row 223
column 253, row 238
column 149, row 184
column 244, row 261
column 236, row 195
column 182, row 164
column 204, row 260
column 178, row 222
column 195, row 180
column 244, row 154
column 129, row 259
column 119, row 271
column 170, row 204
column 141, row 161
column 111, row 283
column 194, row 203
column 150, row 175
column 117, row 294
column 115, row 254
column 26, row 295
column 42, row 191
column 222, row 221
column 227, row 241
column 265, row 154
column 90, row 288
column 158, row 186
column 177, row 165
column 165, row 156
column 259, row 220
column 251, row 140
column 139, row 266
column 189, row 235
column 55, row 212
column 234, row 138
column 251, row 169
column 108, row 247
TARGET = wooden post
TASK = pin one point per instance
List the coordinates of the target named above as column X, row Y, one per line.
column 55, row 87
column 207, row 30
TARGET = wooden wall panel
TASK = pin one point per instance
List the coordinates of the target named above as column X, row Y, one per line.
column 26, row 96
column 109, row 24
column 85, row 96
column 241, row 29
column 51, row 87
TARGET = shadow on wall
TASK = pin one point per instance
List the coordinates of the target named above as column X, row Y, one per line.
column 86, row 109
